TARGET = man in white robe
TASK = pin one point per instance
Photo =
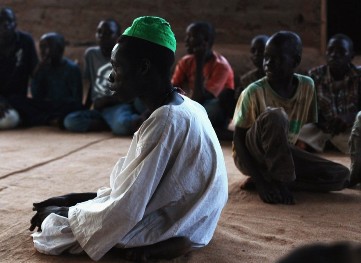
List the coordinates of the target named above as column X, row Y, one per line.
column 166, row 195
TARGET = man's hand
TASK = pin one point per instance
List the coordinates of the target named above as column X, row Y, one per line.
column 53, row 201
column 58, row 205
column 64, row 200
column 42, row 213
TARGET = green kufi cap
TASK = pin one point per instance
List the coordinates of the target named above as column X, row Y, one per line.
column 153, row 29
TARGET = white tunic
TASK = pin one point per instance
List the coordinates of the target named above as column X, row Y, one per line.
column 173, row 182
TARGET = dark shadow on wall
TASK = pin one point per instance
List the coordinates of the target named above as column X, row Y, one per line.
column 345, row 17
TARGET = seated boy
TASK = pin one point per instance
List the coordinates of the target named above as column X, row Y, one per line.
column 155, row 207
column 56, row 87
column 268, row 118
column 338, row 87
column 18, row 60
column 205, row 75
column 104, row 112
column 258, row 44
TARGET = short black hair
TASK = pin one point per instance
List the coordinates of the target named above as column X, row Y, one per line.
column 10, row 11
column 116, row 23
column 58, row 40
column 207, row 29
column 262, row 38
column 288, row 39
column 137, row 49
column 343, row 37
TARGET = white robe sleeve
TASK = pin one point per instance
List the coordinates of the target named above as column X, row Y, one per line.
column 99, row 224
column 172, row 182
column 56, row 237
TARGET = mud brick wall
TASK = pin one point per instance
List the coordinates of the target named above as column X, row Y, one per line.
column 236, row 21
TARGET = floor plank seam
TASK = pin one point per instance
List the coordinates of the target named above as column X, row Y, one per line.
column 54, row 159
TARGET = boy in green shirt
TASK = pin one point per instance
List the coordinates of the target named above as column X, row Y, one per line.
column 268, row 117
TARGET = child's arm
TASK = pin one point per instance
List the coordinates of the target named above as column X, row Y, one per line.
column 244, row 158
column 200, row 94
column 76, row 85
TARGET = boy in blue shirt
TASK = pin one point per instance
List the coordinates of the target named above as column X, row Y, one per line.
column 56, row 87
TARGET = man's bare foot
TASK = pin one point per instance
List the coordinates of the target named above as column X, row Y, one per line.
column 168, row 249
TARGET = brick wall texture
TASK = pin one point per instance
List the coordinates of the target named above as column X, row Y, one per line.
column 236, row 21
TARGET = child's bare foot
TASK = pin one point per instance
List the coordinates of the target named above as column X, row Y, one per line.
column 287, row 197
column 248, row 184
column 268, row 192
column 274, row 193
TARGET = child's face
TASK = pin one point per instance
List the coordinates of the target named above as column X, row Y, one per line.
column 279, row 63
column 106, row 35
column 49, row 52
column 257, row 52
column 195, row 40
column 338, row 54
column 7, row 25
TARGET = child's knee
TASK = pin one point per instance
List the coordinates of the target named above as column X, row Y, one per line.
column 273, row 119
column 357, row 122
column 275, row 114
column 72, row 123
column 123, row 128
